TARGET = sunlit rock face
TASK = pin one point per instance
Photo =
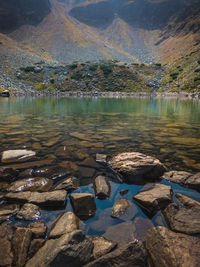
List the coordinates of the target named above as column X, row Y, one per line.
column 16, row 13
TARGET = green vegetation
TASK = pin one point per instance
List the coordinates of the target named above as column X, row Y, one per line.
column 93, row 67
column 27, row 69
column 196, row 79
column 107, row 69
column 45, row 87
column 198, row 62
column 174, row 75
column 158, row 64
column 73, row 66
column 76, row 76
column 197, row 70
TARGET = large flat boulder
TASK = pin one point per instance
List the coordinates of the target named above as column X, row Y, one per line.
column 83, row 205
column 182, row 219
column 154, row 198
column 17, row 155
column 66, row 223
column 186, row 179
column 131, row 254
column 137, row 168
column 53, row 199
column 31, row 184
column 71, row 249
column 102, row 187
column 167, row 248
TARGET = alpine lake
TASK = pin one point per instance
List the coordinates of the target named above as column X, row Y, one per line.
column 67, row 133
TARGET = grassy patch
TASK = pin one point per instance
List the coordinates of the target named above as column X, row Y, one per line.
column 27, row 69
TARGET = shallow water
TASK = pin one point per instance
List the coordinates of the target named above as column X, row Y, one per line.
column 64, row 132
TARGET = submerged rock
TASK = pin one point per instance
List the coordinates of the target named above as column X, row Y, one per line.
column 182, row 219
column 70, row 184
column 154, row 198
column 137, row 168
column 102, row 187
column 21, row 242
column 102, row 246
column 83, row 204
column 123, row 192
column 167, row 248
column 7, row 211
column 66, row 223
column 8, row 174
column 71, row 249
column 131, row 254
column 17, row 155
column 31, row 184
column 52, row 199
column 6, row 253
column 184, row 178
column 120, row 207
column 28, row 212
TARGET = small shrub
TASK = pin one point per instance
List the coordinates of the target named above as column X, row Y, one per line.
column 107, row 69
column 196, row 79
column 174, row 75
column 197, row 70
column 158, row 64
column 93, row 67
column 198, row 62
column 27, row 69
column 73, row 66
column 52, row 81
column 76, row 76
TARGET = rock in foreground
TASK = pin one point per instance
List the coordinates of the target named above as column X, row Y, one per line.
column 137, row 168
column 102, row 246
column 17, row 155
column 154, row 198
column 72, row 249
column 101, row 187
column 167, row 248
column 131, row 254
column 120, row 207
column 28, row 212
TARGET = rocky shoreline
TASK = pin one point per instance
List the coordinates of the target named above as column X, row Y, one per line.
column 124, row 244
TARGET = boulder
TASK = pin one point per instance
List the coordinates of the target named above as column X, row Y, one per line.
column 83, row 205
column 21, row 242
column 7, row 211
column 28, row 212
column 121, row 233
column 71, row 249
column 66, row 223
column 8, row 174
column 121, row 209
column 131, row 254
column 36, row 244
column 141, row 226
column 31, row 184
column 6, row 253
column 167, row 248
column 70, row 184
column 17, row 155
column 186, row 179
column 102, row 187
column 137, row 168
column 52, row 199
column 38, row 229
column 182, row 219
column 102, row 246
column 154, row 197
column 188, row 202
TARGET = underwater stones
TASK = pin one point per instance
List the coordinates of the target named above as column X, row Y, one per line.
column 137, row 168
column 8, row 174
column 83, row 204
column 71, row 249
column 182, row 219
column 20, row 243
column 52, row 199
column 102, row 246
column 70, row 184
column 28, row 212
column 102, row 187
column 17, row 155
column 38, row 229
column 120, row 207
column 154, row 198
column 142, row 225
column 123, row 192
column 8, row 210
column 184, row 178
column 90, row 162
column 131, row 254
column 31, row 184
column 167, row 248
column 86, row 172
column 66, row 223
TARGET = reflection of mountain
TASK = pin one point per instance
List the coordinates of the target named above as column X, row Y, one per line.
column 68, row 30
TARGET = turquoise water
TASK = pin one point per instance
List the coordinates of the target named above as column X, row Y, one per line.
column 65, row 131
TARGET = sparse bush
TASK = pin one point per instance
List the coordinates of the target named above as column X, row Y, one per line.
column 93, row 67
column 27, row 69
column 73, row 66
column 107, row 69
column 198, row 62
column 52, row 81
column 158, row 64
column 76, row 76
column 197, row 70
column 196, row 79
column 174, row 75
